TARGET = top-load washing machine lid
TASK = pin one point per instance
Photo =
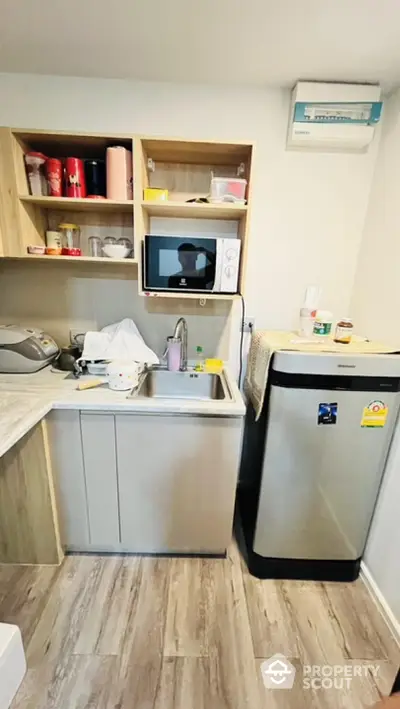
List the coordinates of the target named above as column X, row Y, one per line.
column 334, row 363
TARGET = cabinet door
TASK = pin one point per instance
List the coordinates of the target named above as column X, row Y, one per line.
column 67, row 462
column 98, row 441
column 177, row 482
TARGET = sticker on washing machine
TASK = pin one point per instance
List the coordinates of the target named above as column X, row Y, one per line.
column 327, row 413
column 374, row 415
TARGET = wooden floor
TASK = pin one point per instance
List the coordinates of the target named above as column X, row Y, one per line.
column 158, row 633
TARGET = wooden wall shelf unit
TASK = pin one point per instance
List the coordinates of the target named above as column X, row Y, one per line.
column 78, row 205
column 182, row 166
column 103, row 262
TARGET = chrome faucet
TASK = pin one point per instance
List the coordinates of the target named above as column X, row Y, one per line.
column 181, row 332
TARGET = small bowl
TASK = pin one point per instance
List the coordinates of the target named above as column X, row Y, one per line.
column 116, row 250
column 36, row 249
column 99, row 368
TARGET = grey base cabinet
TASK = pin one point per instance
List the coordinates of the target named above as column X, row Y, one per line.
column 84, row 464
column 64, row 429
column 145, row 483
column 177, row 482
column 100, row 466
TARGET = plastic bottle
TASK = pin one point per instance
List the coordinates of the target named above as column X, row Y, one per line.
column 308, row 311
column 199, row 366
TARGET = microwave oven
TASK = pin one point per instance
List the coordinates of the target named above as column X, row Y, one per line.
column 191, row 264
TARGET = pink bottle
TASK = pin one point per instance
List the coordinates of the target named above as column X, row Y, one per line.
column 173, row 353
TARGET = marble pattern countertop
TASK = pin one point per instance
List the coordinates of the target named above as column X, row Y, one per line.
column 26, row 398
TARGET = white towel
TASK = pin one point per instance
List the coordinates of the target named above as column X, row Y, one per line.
column 122, row 340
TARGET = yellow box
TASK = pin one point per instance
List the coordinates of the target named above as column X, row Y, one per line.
column 155, row 194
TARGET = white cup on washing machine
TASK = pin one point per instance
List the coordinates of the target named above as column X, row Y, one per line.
column 123, row 374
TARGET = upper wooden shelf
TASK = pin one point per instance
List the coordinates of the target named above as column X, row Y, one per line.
column 195, row 152
column 103, row 261
column 192, row 210
column 79, row 205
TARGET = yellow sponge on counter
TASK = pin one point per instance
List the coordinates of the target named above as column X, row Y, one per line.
column 213, row 365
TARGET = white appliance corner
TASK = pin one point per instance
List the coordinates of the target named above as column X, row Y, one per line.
column 380, row 602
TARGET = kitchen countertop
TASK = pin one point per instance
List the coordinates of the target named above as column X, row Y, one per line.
column 26, row 398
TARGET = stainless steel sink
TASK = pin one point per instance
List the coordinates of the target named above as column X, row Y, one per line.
column 162, row 384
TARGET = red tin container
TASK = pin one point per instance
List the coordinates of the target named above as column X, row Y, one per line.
column 54, row 177
column 75, row 178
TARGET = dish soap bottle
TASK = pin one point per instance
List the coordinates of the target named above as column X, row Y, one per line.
column 199, row 366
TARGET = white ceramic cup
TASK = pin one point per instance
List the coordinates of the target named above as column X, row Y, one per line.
column 123, row 374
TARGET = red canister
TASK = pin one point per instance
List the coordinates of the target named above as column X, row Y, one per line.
column 75, row 178
column 54, row 177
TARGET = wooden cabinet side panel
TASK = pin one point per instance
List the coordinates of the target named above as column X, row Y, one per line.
column 28, row 527
column 244, row 226
column 9, row 204
column 141, row 220
column 98, row 440
column 67, row 461
column 177, row 482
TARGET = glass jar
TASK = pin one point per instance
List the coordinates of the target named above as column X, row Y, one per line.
column 53, row 243
column 70, row 239
column 124, row 241
column 95, row 246
column 344, row 331
column 110, row 240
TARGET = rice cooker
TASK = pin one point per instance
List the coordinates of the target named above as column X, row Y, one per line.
column 25, row 350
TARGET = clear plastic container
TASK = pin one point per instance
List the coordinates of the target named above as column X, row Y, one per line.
column 228, row 189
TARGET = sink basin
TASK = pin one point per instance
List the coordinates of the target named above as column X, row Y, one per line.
column 162, row 384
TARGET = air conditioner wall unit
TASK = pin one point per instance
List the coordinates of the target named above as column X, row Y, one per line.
column 333, row 117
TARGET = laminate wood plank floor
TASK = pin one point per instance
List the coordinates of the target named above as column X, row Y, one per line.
column 120, row 632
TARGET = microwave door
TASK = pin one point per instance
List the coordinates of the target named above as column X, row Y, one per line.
column 180, row 263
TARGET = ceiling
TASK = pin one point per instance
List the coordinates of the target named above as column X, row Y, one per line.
column 247, row 42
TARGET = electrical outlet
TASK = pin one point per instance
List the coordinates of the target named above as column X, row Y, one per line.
column 76, row 337
column 249, row 324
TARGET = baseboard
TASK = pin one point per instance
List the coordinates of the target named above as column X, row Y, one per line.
column 380, row 601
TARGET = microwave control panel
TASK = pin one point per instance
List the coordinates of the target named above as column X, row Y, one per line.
column 230, row 266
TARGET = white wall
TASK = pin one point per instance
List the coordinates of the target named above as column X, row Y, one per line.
column 68, row 296
column 376, row 295
column 308, row 209
column 376, row 310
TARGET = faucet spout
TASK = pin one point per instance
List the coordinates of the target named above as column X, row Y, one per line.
column 181, row 332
